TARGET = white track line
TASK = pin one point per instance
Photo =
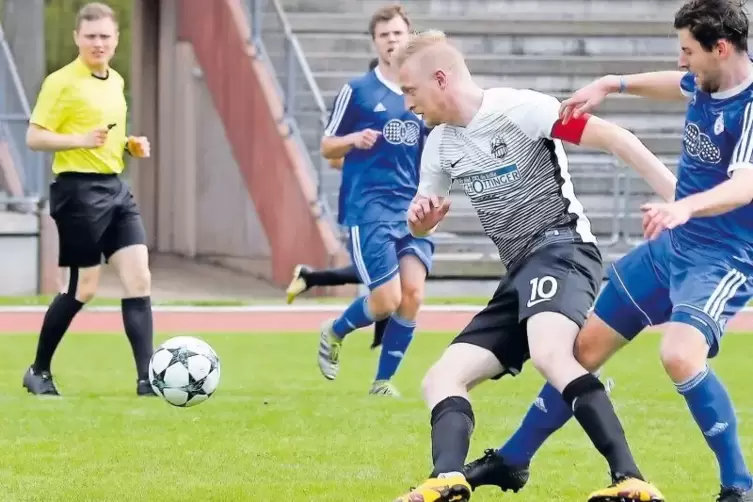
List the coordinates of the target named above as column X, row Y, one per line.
column 254, row 308
column 292, row 309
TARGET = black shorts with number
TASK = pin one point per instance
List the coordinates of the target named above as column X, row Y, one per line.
column 96, row 215
column 562, row 277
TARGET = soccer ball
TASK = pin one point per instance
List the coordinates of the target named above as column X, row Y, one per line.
column 185, row 371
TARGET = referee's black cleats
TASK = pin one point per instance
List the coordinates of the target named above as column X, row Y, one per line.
column 144, row 388
column 491, row 469
column 40, row 383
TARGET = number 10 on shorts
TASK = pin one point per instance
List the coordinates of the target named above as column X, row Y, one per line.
column 542, row 289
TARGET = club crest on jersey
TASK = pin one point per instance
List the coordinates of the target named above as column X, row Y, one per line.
column 498, row 147
column 699, row 146
column 478, row 184
column 719, row 124
column 398, row 132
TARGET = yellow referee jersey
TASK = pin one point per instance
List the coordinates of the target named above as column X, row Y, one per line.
column 74, row 101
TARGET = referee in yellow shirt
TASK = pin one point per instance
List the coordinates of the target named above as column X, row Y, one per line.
column 80, row 115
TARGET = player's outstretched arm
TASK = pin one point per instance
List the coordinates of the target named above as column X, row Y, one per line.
column 723, row 198
column 660, row 85
column 606, row 136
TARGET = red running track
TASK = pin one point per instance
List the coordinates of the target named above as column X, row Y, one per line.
column 258, row 320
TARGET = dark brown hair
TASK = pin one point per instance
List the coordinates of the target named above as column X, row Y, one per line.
column 387, row 13
column 710, row 21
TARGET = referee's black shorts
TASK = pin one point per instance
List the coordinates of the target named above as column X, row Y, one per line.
column 96, row 215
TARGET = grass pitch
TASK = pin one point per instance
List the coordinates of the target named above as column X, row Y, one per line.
column 277, row 431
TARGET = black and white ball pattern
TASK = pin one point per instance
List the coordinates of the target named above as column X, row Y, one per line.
column 185, row 371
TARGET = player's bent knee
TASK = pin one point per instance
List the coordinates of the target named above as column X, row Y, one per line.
column 551, row 337
column 596, row 343
column 461, row 367
column 412, row 299
column 386, row 299
column 441, row 382
column 683, row 352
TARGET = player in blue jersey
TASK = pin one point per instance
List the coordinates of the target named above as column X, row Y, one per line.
column 305, row 277
column 381, row 142
column 694, row 273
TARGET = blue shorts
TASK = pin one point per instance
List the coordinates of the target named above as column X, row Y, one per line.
column 657, row 282
column 376, row 248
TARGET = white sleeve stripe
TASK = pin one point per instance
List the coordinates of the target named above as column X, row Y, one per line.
column 338, row 112
column 745, row 137
column 743, row 152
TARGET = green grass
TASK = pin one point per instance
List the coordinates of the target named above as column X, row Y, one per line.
column 44, row 300
column 276, row 431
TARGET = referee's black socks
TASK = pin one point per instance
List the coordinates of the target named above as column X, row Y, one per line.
column 137, row 320
column 57, row 319
column 594, row 411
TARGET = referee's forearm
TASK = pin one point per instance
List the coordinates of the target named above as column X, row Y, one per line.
column 47, row 141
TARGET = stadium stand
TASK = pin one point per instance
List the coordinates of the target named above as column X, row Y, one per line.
column 549, row 45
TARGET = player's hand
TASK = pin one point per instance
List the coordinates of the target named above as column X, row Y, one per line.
column 365, row 139
column 94, row 139
column 584, row 100
column 661, row 216
column 138, row 146
column 425, row 213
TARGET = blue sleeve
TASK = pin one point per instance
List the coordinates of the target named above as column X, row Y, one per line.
column 687, row 84
column 342, row 120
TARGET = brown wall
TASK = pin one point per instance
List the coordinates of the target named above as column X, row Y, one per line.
column 211, row 113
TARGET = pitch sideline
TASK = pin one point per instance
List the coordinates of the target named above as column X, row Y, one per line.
column 251, row 309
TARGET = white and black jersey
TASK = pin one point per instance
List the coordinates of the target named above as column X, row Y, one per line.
column 513, row 168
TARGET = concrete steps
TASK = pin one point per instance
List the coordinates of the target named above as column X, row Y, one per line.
column 564, row 10
column 553, row 46
column 511, row 64
column 347, row 32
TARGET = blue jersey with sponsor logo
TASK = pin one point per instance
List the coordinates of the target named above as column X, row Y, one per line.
column 718, row 140
column 378, row 184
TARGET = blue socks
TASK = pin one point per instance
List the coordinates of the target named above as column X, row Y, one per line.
column 548, row 413
column 712, row 410
column 707, row 400
column 356, row 316
column 397, row 337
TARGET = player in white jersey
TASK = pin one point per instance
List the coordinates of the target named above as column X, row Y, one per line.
column 503, row 147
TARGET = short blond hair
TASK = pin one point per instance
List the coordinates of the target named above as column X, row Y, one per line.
column 418, row 42
column 95, row 11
